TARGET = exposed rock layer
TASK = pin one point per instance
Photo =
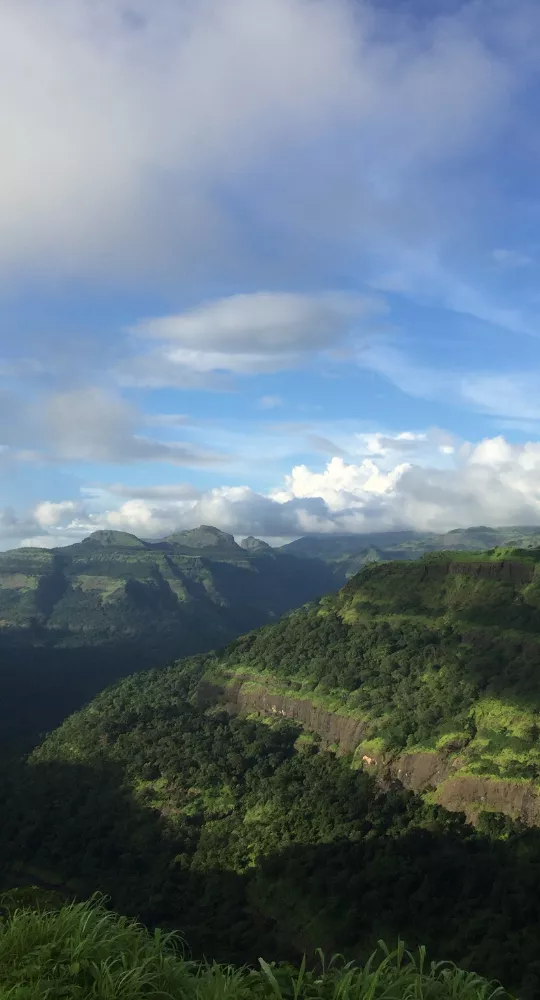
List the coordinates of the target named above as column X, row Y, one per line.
column 418, row 771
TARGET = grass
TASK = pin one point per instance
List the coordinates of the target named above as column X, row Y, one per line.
column 84, row 951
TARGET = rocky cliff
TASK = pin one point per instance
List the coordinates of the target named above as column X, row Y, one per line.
column 435, row 772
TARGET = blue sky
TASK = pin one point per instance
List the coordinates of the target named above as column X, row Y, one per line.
column 268, row 264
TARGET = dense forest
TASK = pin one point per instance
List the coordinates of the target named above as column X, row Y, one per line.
column 251, row 839
column 442, row 654
column 254, row 837
column 74, row 619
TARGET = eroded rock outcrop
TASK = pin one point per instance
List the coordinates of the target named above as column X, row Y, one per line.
column 417, row 771
column 332, row 727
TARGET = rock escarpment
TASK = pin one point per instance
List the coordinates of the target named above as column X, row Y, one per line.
column 436, row 772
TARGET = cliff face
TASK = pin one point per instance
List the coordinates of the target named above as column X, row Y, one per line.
column 331, row 727
column 419, row 772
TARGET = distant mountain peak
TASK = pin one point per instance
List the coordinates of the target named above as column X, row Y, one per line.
column 109, row 537
column 253, row 544
column 203, row 537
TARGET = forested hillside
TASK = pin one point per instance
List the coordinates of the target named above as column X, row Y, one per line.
column 253, row 835
column 189, row 798
column 439, row 655
column 252, row 840
column 74, row 619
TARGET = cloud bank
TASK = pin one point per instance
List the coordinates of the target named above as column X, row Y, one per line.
column 492, row 482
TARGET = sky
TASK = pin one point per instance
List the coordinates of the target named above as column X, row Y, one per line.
column 271, row 265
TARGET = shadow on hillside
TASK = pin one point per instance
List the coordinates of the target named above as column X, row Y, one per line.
column 79, row 830
column 41, row 685
column 468, row 898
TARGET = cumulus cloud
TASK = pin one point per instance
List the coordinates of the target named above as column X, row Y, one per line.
column 248, row 334
column 491, row 482
column 48, row 514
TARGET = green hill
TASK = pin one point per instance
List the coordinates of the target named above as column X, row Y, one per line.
column 73, row 619
column 427, row 670
column 348, row 554
column 257, row 801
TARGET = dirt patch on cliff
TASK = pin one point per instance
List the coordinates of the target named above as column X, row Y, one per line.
column 419, row 771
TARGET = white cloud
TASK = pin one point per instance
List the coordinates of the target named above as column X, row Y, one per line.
column 170, row 420
column 491, row 482
column 247, row 334
column 382, row 444
column 512, row 394
column 269, row 322
column 172, row 491
column 516, row 394
column 317, row 442
column 48, row 514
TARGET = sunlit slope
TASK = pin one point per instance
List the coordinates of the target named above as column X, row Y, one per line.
column 443, row 653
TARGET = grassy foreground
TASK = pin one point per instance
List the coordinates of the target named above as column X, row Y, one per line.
column 82, row 950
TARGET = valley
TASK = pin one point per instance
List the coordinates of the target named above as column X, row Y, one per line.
column 252, row 840
column 370, row 762
column 75, row 619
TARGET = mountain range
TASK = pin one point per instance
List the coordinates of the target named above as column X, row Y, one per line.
column 76, row 618
column 347, row 554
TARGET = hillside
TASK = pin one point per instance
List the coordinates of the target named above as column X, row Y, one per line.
column 73, row 619
column 427, row 671
column 255, row 799
column 348, row 554
column 252, row 840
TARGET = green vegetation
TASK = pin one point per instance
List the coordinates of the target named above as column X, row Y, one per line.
column 74, row 619
column 251, row 842
column 441, row 654
column 258, row 839
column 348, row 554
column 84, row 951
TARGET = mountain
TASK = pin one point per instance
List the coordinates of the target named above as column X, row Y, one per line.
column 347, row 554
column 73, row 619
column 116, row 539
column 202, row 538
column 254, row 544
column 306, row 787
